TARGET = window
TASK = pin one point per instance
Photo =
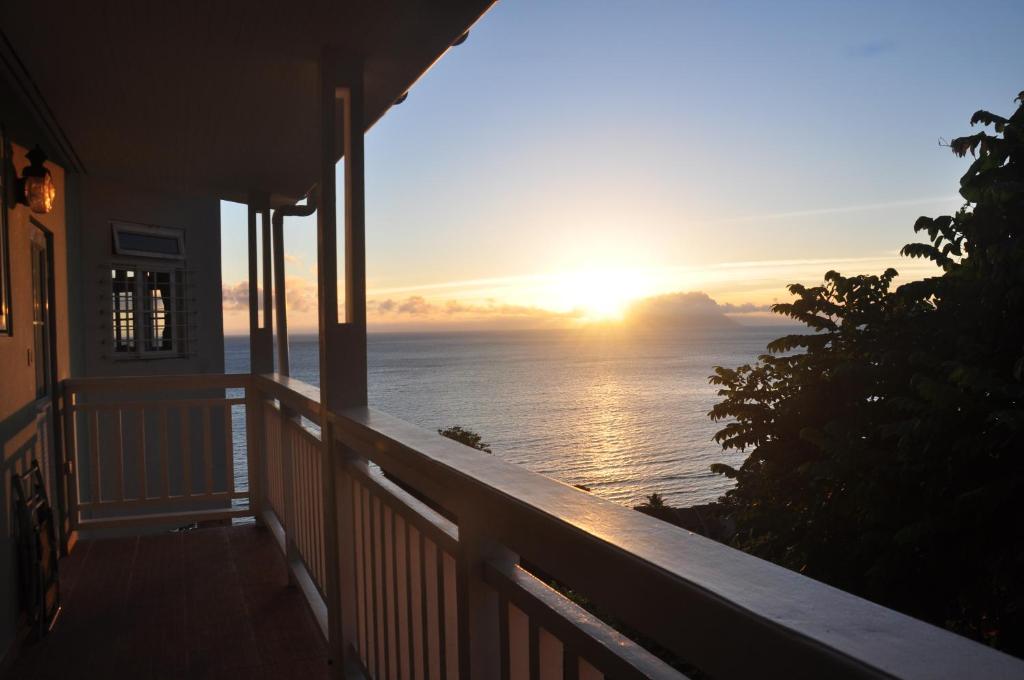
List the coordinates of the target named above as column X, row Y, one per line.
column 148, row 313
column 147, row 241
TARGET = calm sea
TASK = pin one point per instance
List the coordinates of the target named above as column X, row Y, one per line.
column 623, row 413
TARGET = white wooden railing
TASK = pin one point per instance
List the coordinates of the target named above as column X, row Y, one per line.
column 153, row 450
column 432, row 568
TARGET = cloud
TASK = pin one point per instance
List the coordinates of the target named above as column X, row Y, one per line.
column 301, row 295
column 745, row 308
column 871, row 48
column 416, row 306
column 236, row 298
column 419, row 307
column 292, row 259
column 682, row 309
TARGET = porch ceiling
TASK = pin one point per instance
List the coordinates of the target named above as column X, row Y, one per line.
column 212, row 98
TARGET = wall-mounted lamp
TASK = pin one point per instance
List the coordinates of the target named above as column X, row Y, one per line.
column 35, row 188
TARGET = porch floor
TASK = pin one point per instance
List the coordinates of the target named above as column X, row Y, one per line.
column 209, row 603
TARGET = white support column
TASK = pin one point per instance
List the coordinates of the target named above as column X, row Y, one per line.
column 289, row 419
column 261, row 336
column 260, row 361
column 342, row 345
column 280, row 306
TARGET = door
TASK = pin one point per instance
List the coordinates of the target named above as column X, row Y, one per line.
column 40, row 316
column 43, row 357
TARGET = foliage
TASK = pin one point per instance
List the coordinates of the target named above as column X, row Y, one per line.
column 465, row 436
column 887, row 445
column 655, row 500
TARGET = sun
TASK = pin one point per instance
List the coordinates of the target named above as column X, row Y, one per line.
column 601, row 295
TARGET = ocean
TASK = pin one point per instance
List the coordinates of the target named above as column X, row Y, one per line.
column 624, row 413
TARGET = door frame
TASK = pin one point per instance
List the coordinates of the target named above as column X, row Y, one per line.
column 62, row 472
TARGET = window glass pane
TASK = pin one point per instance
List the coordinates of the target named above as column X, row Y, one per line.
column 159, row 320
column 149, row 243
column 123, row 309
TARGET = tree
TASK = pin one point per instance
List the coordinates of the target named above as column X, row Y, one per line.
column 465, row 436
column 887, row 445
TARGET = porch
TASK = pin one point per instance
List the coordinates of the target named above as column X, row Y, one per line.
column 386, row 549
column 412, row 556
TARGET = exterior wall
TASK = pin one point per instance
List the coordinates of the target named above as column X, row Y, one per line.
column 99, row 202
column 24, row 431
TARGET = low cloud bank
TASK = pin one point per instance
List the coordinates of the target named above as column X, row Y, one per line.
column 696, row 310
column 680, row 310
column 417, row 306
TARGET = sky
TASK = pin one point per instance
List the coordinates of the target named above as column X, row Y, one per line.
column 574, row 157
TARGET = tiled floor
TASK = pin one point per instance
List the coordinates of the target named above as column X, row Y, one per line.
column 211, row 603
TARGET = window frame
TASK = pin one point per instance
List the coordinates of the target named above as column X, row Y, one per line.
column 141, row 315
column 117, row 228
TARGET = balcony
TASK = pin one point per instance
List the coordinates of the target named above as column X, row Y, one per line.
column 396, row 553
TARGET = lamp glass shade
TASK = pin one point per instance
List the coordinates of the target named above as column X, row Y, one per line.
column 40, row 193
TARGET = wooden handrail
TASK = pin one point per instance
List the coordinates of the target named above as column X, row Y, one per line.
column 699, row 598
column 293, row 393
column 157, row 382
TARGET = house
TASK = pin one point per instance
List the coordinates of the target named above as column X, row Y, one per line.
column 125, row 124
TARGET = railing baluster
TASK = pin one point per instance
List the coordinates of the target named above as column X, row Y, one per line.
column 288, row 479
column 380, row 574
column 71, row 440
column 399, row 559
column 256, row 459
column 165, row 471
column 143, row 493
column 94, row 456
column 387, row 563
column 371, row 612
column 119, row 448
column 229, row 452
column 518, row 643
column 360, row 573
column 570, row 664
column 534, row 650
column 319, row 540
column 552, row 655
column 375, row 585
column 588, row 672
column 186, row 451
column 431, row 662
column 410, row 613
column 503, row 627
column 442, row 647
column 207, row 452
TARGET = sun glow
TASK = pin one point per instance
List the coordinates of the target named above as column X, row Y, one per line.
column 600, row 295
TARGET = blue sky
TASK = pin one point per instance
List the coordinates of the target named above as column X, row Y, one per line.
column 574, row 152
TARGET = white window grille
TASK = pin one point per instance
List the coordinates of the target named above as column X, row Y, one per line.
column 150, row 311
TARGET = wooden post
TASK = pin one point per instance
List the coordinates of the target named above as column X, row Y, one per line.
column 261, row 340
column 342, row 345
column 479, row 620
column 261, row 358
column 280, row 298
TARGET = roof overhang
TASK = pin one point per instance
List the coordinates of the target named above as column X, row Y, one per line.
column 211, row 98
